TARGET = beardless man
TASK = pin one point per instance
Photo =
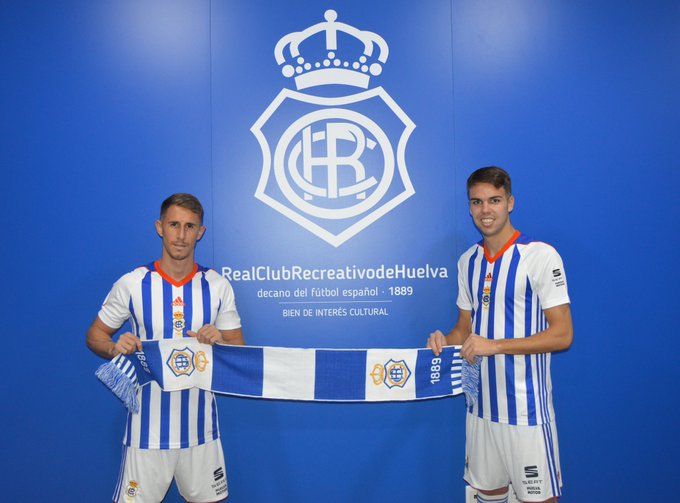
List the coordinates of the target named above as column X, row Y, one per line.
column 513, row 312
column 175, row 434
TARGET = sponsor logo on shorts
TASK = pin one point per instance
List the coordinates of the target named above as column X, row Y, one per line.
column 532, row 484
column 531, row 472
column 220, row 485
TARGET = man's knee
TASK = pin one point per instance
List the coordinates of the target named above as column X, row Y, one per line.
column 499, row 495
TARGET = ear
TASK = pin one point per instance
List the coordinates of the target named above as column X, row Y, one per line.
column 201, row 231
column 511, row 203
column 159, row 228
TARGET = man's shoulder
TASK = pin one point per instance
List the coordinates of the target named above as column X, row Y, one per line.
column 539, row 255
column 478, row 247
column 530, row 245
column 136, row 274
column 212, row 275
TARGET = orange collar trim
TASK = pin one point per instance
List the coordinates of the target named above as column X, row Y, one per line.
column 173, row 282
column 507, row 245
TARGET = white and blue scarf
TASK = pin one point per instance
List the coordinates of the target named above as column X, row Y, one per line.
column 334, row 375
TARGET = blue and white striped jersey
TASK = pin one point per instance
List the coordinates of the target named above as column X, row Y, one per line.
column 160, row 308
column 506, row 295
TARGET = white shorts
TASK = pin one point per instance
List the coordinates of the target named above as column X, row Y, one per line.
column 498, row 454
column 146, row 474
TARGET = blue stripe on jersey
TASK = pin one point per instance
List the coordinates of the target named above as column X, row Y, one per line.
column 165, row 421
column 144, row 410
column 480, row 293
column 340, row 375
column 145, row 407
column 213, row 408
column 205, row 290
column 204, row 395
column 134, row 328
column 528, row 317
column 201, row 418
column 128, row 430
column 188, row 309
column 184, row 424
column 542, row 360
column 493, row 391
column 545, row 408
column 471, row 268
column 510, row 390
column 166, row 301
column 478, row 318
column 147, row 311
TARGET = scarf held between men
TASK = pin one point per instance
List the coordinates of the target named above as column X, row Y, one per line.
column 334, row 375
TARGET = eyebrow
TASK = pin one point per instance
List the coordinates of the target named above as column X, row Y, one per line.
column 472, row 199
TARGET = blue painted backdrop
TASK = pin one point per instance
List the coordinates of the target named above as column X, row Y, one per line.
column 108, row 107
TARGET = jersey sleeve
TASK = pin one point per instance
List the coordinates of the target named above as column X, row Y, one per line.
column 547, row 276
column 227, row 315
column 115, row 310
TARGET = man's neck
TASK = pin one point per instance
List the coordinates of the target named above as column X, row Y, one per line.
column 177, row 269
column 494, row 244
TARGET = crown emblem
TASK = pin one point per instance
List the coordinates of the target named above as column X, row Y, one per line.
column 353, row 64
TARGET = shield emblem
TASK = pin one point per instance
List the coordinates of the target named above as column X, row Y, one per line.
column 181, row 362
column 334, row 165
column 397, row 373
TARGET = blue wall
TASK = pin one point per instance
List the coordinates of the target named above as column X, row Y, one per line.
column 108, row 107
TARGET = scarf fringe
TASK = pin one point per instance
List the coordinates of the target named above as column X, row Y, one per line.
column 121, row 383
column 470, row 378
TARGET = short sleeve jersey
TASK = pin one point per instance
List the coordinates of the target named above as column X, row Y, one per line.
column 158, row 307
column 507, row 296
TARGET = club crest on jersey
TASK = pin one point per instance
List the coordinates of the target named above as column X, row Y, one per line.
column 486, row 291
column 392, row 373
column 178, row 322
column 333, row 160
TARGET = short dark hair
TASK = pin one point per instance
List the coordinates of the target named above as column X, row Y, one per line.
column 491, row 174
column 182, row 200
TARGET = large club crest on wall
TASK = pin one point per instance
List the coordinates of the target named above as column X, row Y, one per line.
column 329, row 158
